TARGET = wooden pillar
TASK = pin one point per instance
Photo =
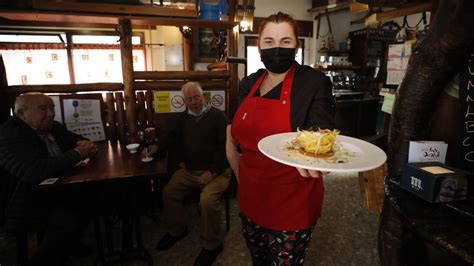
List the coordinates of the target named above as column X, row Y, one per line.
column 232, row 50
column 187, row 58
column 4, row 99
column 72, row 75
column 125, row 28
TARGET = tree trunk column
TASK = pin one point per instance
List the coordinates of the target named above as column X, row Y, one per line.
column 125, row 28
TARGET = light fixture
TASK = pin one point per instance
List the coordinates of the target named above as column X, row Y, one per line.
column 186, row 31
column 358, row 7
column 244, row 14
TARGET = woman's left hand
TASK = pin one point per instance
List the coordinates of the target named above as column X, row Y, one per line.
column 310, row 173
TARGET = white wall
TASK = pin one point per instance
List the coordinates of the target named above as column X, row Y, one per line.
column 164, row 48
column 296, row 8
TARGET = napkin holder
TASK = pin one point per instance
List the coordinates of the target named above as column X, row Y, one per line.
column 435, row 182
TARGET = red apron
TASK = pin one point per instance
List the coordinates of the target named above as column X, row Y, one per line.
column 271, row 194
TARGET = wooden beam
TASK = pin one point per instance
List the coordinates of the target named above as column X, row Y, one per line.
column 64, row 88
column 110, row 87
column 71, row 18
column 113, row 8
column 396, row 13
column 176, row 85
column 180, row 75
column 125, row 30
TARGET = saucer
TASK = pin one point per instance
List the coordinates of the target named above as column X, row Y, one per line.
column 147, row 159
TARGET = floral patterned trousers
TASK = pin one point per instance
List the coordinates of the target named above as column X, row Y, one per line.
column 271, row 247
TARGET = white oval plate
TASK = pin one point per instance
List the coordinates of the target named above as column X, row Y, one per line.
column 364, row 155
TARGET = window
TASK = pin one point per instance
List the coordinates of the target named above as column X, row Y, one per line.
column 253, row 56
column 43, row 59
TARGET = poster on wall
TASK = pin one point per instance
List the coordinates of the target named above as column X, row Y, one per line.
column 173, row 101
column 398, row 56
column 84, row 117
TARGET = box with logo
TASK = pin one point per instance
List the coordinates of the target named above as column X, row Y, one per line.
column 435, row 182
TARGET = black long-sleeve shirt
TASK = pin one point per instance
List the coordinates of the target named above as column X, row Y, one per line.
column 311, row 99
column 200, row 142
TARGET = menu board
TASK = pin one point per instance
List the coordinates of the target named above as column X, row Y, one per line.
column 466, row 100
column 82, row 114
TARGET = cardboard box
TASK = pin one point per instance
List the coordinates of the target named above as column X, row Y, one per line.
column 435, row 182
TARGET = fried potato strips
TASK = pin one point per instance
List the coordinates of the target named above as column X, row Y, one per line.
column 317, row 142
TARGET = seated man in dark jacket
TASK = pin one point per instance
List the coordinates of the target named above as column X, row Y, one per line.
column 200, row 134
column 34, row 147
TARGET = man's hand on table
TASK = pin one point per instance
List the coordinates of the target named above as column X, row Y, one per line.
column 149, row 151
column 86, row 148
column 205, row 177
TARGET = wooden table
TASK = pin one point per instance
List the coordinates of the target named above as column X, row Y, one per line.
column 115, row 165
column 114, row 162
column 449, row 226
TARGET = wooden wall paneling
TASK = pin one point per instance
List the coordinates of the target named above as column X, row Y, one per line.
column 111, row 117
column 121, row 128
column 150, row 109
column 141, row 110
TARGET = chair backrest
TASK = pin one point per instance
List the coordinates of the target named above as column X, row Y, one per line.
column 7, row 187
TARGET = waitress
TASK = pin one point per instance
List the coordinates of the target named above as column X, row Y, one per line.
column 279, row 205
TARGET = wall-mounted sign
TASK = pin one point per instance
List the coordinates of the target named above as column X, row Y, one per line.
column 173, row 101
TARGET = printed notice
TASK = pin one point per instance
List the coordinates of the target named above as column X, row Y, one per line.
column 398, row 56
column 388, row 101
column 82, row 111
column 84, row 117
column 173, row 101
column 162, row 101
column 427, row 151
column 92, row 131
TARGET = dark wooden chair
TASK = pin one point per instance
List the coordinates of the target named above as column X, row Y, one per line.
column 7, row 187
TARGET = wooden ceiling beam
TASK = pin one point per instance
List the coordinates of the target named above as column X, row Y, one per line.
column 107, row 8
column 101, row 19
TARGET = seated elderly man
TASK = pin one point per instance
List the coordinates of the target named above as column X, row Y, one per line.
column 34, row 147
column 200, row 133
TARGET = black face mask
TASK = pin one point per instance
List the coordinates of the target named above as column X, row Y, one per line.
column 278, row 59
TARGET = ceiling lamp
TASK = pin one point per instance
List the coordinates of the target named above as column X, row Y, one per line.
column 244, row 14
column 358, row 7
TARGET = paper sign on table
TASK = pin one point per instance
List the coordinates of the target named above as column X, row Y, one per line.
column 427, row 151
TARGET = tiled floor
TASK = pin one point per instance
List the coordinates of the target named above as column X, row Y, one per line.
column 345, row 235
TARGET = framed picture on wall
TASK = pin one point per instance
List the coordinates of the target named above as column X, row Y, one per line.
column 204, row 48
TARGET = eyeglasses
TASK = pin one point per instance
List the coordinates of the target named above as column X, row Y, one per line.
column 195, row 98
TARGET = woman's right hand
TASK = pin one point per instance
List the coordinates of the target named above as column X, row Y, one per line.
column 233, row 156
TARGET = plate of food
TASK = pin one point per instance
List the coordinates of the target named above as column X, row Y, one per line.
column 322, row 150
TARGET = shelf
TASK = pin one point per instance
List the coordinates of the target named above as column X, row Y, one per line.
column 334, row 51
column 338, row 68
column 349, row 6
column 15, row 17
